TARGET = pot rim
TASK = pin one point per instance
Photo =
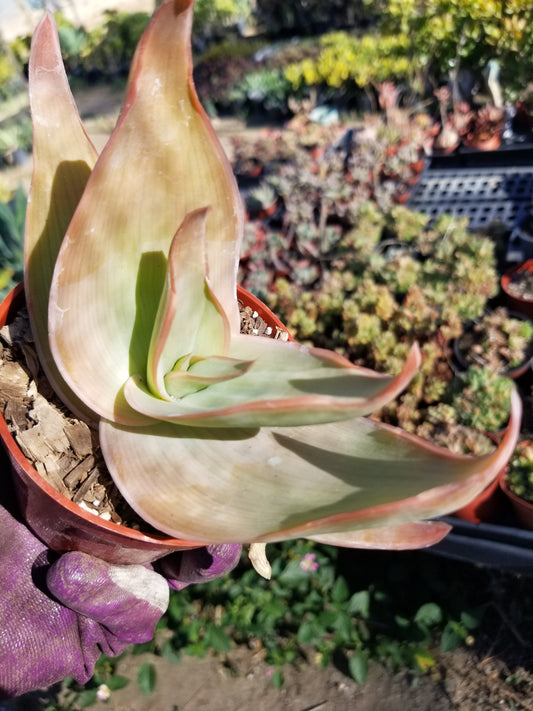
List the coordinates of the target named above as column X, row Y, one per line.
column 502, row 479
column 12, row 302
column 8, row 307
column 507, row 276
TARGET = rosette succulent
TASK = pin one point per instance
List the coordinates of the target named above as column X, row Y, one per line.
column 130, row 279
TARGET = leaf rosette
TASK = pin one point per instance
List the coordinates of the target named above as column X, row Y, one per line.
column 131, row 268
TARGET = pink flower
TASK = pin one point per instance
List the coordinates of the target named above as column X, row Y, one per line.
column 103, row 692
column 308, row 563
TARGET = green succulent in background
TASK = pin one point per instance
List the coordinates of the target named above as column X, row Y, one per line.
column 480, row 399
column 344, row 60
column 520, row 471
column 11, row 76
column 12, row 218
column 15, row 134
column 267, row 88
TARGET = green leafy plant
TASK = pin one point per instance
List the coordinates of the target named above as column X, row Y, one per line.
column 15, row 134
column 310, row 610
column 12, row 219
column 481, row 399
column 213, row 15
column 316, row 609
column 519, row 477
column 109, row 48
column 104, row 682
column 11, row 75
column 456, row 34
column 345, row 59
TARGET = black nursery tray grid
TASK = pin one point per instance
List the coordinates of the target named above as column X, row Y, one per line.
column 484, row 195
column 503, row 547
column 485, row 188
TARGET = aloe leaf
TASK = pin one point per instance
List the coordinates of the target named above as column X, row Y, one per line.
column 189, row 319
column 63, row 159
column 287, row 384
column 223, row 485
column 399, row 537
column 203, row 373
column 162, row 162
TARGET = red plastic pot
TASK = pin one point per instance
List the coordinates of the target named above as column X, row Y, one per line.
column 484, row 508
column 489, row 143
column 262, row 310
column 517, row 303
column 62, row 524
column 522, row 509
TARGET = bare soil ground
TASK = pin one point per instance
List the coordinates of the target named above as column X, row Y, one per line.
column 240, row 681
column 493, row 674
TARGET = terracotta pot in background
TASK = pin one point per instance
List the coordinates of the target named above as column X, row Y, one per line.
column 62, row 524
column 485, row 507
column 517, row 303
column 489, row 143
column 522, row 509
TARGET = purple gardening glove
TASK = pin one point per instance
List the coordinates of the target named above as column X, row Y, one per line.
column 58, row 614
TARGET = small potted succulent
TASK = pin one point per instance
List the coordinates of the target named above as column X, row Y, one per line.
column 486, row 131
column 211, row 435
column 517, row 483
column 517, row 284
column 456, row 119
column 500, row 341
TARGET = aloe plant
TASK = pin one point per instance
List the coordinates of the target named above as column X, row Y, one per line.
column 130, row 280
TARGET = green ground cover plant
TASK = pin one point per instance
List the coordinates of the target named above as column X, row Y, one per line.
column 322, row 606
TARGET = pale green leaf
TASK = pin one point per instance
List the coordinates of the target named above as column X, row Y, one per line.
column 358, row 666
column 285, row 385
column 189, row 319
column 63, row 159
column 146, row 678
column 224, row 485
column 162, row 162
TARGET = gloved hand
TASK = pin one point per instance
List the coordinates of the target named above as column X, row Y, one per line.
column 59, row 613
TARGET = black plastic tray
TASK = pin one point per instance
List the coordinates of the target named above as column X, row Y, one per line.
column 485, row 186
column 508, row 156
column 506, row 548
column 484, row 195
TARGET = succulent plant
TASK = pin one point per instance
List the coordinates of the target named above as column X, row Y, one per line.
column 497, row 341
column 519, row 477
column 130, row 280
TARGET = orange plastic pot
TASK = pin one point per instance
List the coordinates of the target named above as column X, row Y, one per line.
column 61, row 523
column 517, row 303
column 485, row 507
column 522, row 509
column 248, row 299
